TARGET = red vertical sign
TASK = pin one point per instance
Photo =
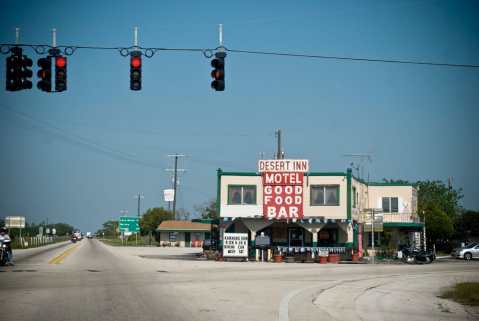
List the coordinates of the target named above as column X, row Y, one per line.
column 283, row 195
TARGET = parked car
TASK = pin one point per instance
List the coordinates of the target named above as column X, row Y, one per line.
column 467, row 252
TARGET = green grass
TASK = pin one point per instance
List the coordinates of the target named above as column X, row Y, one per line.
column 466, row 293
column 129, row 242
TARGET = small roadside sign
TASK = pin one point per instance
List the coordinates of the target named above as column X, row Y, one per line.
column 169, row 195
column 235, row 244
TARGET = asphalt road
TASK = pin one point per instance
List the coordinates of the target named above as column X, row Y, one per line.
column 93, row 281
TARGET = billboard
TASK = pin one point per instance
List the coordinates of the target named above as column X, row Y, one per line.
column 15, row 222
column 283, row 187
column 235, row 244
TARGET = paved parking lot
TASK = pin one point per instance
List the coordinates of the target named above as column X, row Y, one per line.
column 126, row 283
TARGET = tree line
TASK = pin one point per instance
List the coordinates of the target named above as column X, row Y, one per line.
column 33, row 229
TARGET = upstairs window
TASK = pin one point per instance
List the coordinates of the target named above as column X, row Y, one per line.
column 241, row 194
column 324, row 195
column 390, row 204
column 355, row 197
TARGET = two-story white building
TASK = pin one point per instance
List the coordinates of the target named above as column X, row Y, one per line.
column 330, row 210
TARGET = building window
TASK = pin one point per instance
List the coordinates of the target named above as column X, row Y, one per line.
column 355, row 200
column 325, row 195
column 172, row 236
column 390, row 204
column 241, row 194
column 377, row 239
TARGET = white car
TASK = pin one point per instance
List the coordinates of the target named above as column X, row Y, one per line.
column 89, row 235
column 467, row 253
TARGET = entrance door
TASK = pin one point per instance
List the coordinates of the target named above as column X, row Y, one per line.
column 187, row 239
column 295, row 237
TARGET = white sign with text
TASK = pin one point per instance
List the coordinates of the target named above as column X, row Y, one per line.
column 283, row 165
column 235, row 245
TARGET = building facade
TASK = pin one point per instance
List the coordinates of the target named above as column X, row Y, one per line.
column 183, row 233
column 336, row 212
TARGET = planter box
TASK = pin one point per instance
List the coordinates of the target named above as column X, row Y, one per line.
column 323, row 259
column 333, row 258
column 278, row 258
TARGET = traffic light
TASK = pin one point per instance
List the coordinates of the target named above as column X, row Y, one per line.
column 26, row 73
column 218, row 73
column 60, row 73
column 45, row 74
column 12, row 71
column 135, row 70
column 18, row 72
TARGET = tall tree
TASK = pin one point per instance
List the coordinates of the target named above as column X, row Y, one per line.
column 467, row 225
column 438, row 204
column 439, row 225
column 153, row 217
column 437, row 193
column 207, row 210
column 109, row 228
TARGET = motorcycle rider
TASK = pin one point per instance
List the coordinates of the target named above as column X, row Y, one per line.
column 5, row 239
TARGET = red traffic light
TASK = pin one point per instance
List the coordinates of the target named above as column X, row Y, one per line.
column 60, row 62
column 135, row 62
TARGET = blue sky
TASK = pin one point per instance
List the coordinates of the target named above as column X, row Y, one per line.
column 63, row 155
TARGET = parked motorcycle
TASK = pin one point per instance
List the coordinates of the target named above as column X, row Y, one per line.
column 413, row 255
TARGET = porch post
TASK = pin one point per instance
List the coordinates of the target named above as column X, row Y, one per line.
column 315, row 236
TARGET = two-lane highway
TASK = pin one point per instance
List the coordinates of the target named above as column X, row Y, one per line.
column 84, row 281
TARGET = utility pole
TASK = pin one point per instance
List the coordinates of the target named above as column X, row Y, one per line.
column 175, row 179
column 279, row 150
column 139, row 196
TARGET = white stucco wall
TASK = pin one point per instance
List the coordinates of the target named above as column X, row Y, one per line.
column 406, row 202
column 331, row 212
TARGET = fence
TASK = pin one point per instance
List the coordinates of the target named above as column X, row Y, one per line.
column 26, row 242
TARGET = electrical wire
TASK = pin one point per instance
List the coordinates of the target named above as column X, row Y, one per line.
column 80, row 141
column 287, row 54
column 209, row 53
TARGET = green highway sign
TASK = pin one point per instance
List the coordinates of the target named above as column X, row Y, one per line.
column 129, row 224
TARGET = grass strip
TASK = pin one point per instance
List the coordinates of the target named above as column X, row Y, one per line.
column 466, row 293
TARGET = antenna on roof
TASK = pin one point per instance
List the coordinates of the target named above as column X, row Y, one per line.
column 363, row 157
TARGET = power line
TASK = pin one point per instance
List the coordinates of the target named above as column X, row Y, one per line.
column 397, row 61
column 209, row 52
column 80, row 141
